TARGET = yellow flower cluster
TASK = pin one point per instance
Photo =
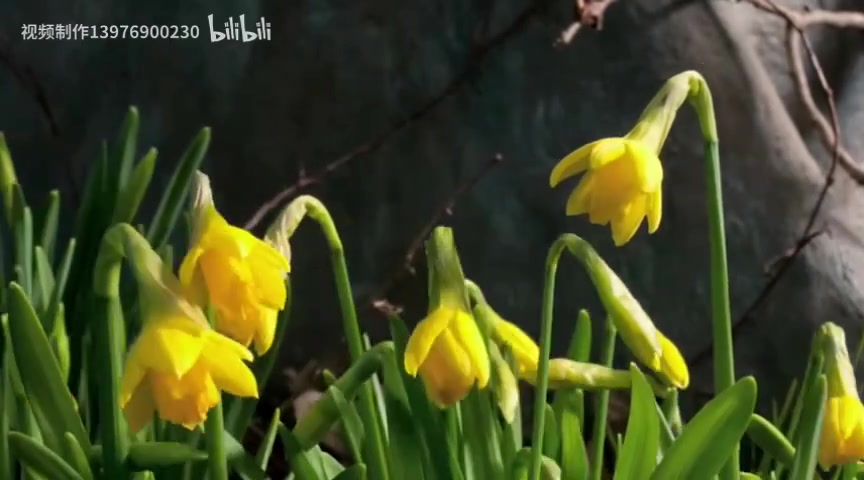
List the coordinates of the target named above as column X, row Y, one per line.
column 179, row 364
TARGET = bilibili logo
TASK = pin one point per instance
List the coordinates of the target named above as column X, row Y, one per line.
column 234, row 30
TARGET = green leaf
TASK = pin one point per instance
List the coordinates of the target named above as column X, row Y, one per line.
column 126, row 147
column 301, row 464
column 50, row 315
column 75, row 456
column 7, row 179
column 549, row 470
column 770, row 439
column 172, row 202
column 24, row 249
column 352, row 425
column 240, row 461
column 266, row 447
column 707, row 441
column 6, row 406
column 638, row 454
column 129, row 199
column 355, row 472
column 574, row 454
column 807, row 446
column 48, row 231
column 551, row 441
column 40, row 459
column 408, row 448
column 44, row 286
column 50, row 399
column 151, row 455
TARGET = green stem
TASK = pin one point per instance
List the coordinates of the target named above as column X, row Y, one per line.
column 215, row 445
column 110, row 343
column 375, row 454
column 598, row 434
column 721, row 322
column 542, row 385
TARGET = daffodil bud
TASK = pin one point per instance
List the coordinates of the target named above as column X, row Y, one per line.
column 565, row 374
column 506, row 386
column 635, row 327
column 282, row 229
column 842, row 440
column 447, row 348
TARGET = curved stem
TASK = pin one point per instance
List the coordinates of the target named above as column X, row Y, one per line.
column 375, row 455
column 545, row 347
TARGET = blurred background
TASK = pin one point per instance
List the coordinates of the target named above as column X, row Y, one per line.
column 402, row 115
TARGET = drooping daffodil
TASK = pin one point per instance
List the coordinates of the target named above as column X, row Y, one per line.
column 240, row 275
column 177, row 365
column 623, row 176
column 447, row 348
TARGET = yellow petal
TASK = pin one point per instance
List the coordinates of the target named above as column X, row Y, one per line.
column 140, row 408
column 572, row 164
column 579, row 201
column 217, row 340
column 169, row 345
column 424, row 336
column 524, row 348
column 475, row 347
column 230, row 374
column 444, row 387
column 189, row 265
column 649, row 170
column 133, row 375
column 672, row 364
column 269, row 281
column 626, row 224
column 606, row 151
column 655, row 209
column 266, row 330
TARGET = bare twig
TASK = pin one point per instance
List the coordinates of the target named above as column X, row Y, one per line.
column 478, row 54
column 588, row 13
column 796, row 38
column 405, row 266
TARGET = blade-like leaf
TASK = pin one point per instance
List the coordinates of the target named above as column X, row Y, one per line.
column 638, row 454
column 76, row 457
column 770, row 439
column 40, row 459
column 266, row 447
column 173, row 200
column 807, row 447
column 574, row 455
column 50, row 399
column 48, row 231
column 152, row 455
column 707, row 441
column 129, row 199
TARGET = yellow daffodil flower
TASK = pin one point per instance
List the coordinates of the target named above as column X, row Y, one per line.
column 623, row 176
column 178, row 364
column 448, row 351
column 242, row 276
column 447, row 348
column 621, row 186
column 842, row 439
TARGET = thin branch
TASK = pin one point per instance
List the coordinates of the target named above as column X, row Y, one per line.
column 405, row 266
column 478, row 54
column 795, row 39
column 30, row 82
column 587, row 13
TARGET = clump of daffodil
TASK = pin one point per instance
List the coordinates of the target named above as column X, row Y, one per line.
column 623, row 176
column 842, row 440
column 447, row 348
column 240, row 275
column 177, row 364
